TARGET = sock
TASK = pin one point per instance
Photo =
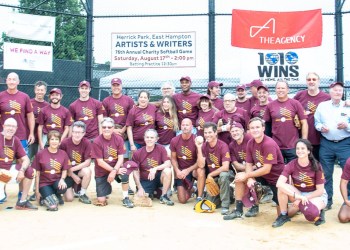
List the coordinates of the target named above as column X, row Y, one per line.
column 284, row 212
column 82, row 191
column 125, row 194
column 239, row 206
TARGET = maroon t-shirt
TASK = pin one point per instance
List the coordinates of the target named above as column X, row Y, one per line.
column 186, row 151
column 54, row 119
column 107, row 150
column 37, row 106
column 77, row 153
column 202, row 118
column 218, row 103
column 346, row 171
column 164, row 127
column 50, row 165
column 281, row 115
column 310, row 104
column 258, row 111
column 187, row 106
column 255, row 101
column 16, row 106
column 87, row 112
column 266, row 152
column 118, row 108
column 141, row 119
column 147, row 160
column 215, row 156
column 244, row 105
column 238, row 152
column 304, row 178
column 10, row 150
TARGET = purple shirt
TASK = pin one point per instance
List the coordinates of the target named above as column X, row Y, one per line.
column 244, row 105
column 164, row 127
column 238, row 152
column 10, row 150
column 186, row 151
column 346, row 171
column 215, row 156
column 118, row 108
column 37, row 106
column 218, row 103
column 258, row 111
column 54, row 119
column 77, row 153
column 187, row 106
column 202, row 118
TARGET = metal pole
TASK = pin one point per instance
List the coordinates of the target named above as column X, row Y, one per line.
column 339, row 40
column 89, row 36
column 211, row 36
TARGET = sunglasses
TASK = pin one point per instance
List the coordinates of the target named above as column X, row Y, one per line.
column 107, row 127
column 311, row 79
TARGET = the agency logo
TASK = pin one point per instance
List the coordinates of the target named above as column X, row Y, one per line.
column 270, row 24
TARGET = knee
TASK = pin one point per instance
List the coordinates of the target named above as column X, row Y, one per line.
column 167, row 172
column 343, row 216
column 86, row 172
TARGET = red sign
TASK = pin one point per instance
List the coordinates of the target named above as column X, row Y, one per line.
column 276, row 30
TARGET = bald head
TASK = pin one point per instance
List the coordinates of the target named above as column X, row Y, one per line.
column 10, row 121
column 12, row 82
column 186, row 126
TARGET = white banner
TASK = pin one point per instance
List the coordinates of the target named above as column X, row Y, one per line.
column 27, row 57
column 31, row 27
column 153, row 50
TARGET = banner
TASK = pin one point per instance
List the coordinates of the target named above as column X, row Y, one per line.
column 153, row 50
column 276, row 30
column 32, row 27
column 27, row 57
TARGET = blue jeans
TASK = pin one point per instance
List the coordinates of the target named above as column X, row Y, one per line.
column 329, row 152
column 25, row 145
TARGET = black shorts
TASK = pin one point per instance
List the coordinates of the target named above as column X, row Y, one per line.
column 273, row 188
column 151, row 186
column 104, row 188
column 48, row 190
column 179, row 182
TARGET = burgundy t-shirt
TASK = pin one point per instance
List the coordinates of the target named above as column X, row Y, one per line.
column 238, row 152
column 267, row 151
column 255, row 101
column 304, row 178
column 147, row 160
column 186, row 151
column 141, row 119
column 50, row 165
column 244, row 105
column 258, row 111
column 16, row 106
column 37, row 106
column 202, row 118
column 187, row 106
column 165, row 128
column 118, row 108
column 54, row 119
column 215, row 156
column 346, row 171
column 310, row 104
column 107, row 150
column 10, row 150
column 282, row 114
column 77, row 153
column 218, row 103
column 87, row 112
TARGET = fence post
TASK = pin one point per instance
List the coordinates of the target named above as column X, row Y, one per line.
column 211, row 37
column 89, row 49
column 339, row 40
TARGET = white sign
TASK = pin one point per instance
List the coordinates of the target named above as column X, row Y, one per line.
column 27, row 57
column 32, row 27
column 153, row 50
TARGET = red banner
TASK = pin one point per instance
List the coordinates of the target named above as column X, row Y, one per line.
column 276, row 30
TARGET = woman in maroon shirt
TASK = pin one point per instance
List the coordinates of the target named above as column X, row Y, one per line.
column 205, row 114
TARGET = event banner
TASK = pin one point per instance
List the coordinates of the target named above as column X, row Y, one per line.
column 27, row 57
column 276, row 30
column 153, row 50
column 31, row 27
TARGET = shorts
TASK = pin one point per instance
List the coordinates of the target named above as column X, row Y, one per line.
column 324, row 196
column 29, row 173
column 151, row 186
column 273, row 188
column 104, row 188
column 33, row 150
column 25, row 145
column 127, row 154
column 48, row 190
column 179, row 182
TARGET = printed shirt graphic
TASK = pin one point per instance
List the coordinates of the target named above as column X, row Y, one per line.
column 77, row 153
column 215, row 156
column 118, row 108
column 186, row 151
column 165, row 128
column 187, row 106
column 10, row 150
column 238, row 152
column 54, row 119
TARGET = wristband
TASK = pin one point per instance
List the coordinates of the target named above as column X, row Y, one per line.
column 223, row 128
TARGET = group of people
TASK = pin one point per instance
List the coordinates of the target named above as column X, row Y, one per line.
column 288, row 145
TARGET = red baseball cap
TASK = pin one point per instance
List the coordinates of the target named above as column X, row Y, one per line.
column 256, row 83
column 240, row 86
column 56, row 90
column 250, row 198
column 116, row 81
column 237, row 124
column 213, row 84
column 336, row 83
column 263, row 87
column 86, row 83
column 310, row 211
column 186, row 78
column 130, row 166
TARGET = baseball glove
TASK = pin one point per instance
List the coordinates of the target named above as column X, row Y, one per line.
column 5, row 176
column 297, row 122
column 212, row 187
column 142, row 201
column 258, row 190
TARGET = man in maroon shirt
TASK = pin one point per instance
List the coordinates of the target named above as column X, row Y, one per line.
column 344, row 212
column 12, row 150
column 264, row 163
column 88, row 110
column 242, row 100
column 214, row 92
column 259, row 110
column 154, row 168
column 281, row 113
column 184, row 160
column 108, row 153
column 16, row 104
column 78, row 148
column 309, row 99
column 53, row 117
column 214, row 156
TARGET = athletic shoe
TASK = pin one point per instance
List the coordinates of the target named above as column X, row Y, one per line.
column 322, row 218
column 41, row 201
column 253, row 211
column 3, row 199
column 127, row 203
column 199, row 199
column 84, row 199
column 281, row 219
column 25, row 205
column 328, row 207
column 233, row 215
column 60, row 199
column 165, row 200
column 32, row 197
column 130, row 191
column 224, row 210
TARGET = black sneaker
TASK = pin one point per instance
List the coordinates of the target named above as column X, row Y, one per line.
column 60, row 199
column 224, row 210
column 322, row 218
column 233, row 215
column 84, row 199
column 32, row 197
column 127, row 203
column 281, row 219
column 165, row 200
column 253, row 211
column 25, row 205
column 131, row 192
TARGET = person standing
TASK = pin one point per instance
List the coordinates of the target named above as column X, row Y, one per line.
column 214, row 92
column 242, row 100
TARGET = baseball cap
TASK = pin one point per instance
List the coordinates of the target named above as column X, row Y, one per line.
column 263, row 87
column 130, row 166
column 255, row 83
column 55, row 90
column 116, row 81
column 213, row 84
column 240, row 86
column 237, row 124
column 205, row 206
column 186, row 78
column 86, row 83
column 250, row 198
column 310, row 211
column 336, row 83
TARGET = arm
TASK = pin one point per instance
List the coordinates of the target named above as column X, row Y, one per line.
column 240, row 167
column 223, row 168
column 31, row 125
column 304, row 128
column 153, row 171
column 131, row 138
column 344, row 191
column 141, row 191
column 37, row 179
column 65, row 132
column 40, row 137
column 25, row 164
column 116, row 169
column 62, row 183
column 99, row 120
